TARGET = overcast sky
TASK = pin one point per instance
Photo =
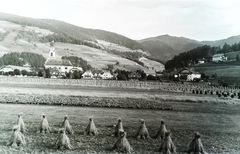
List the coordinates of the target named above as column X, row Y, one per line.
column 138, row 19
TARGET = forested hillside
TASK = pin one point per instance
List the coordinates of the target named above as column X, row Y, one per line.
column 19, row 59
column 68, row 33
column 191, row 57
column 165, row 47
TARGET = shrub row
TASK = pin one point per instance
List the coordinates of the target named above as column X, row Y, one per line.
column 134, row 103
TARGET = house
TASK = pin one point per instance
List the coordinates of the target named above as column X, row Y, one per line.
column 201, row 61
column 107, row 75
column 219, row 57
column 87, row 75
column 11, row 68
column 194, row 76
column 187, row 75
column 97, row 76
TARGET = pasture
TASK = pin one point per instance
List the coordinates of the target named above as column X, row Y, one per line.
column 217, row 119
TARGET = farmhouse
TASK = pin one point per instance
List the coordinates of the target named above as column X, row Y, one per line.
column 194, row 76
column 219, row 57
column 188, row 75
column 107, row 75
column 87, row 75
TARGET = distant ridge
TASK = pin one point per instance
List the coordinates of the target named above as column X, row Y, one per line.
column 230, row 41
column 165, row 47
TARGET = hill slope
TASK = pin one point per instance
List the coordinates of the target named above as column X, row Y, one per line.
column 20, row 38
column 71, row 32
column 166, row 47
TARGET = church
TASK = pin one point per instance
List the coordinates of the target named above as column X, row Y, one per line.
column 57, row 66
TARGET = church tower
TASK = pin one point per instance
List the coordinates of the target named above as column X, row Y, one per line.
column 52, row 51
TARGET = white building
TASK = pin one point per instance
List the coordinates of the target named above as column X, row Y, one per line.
column 107, row 75
column 87, row 75
column 194, row 76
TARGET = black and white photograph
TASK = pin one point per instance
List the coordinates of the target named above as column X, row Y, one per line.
column 120, row 76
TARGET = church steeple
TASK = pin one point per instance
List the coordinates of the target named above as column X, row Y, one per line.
column 52, row 51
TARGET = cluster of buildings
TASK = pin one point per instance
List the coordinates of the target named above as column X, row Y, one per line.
column 222, row 57
column 187, row 75
column 58, row 67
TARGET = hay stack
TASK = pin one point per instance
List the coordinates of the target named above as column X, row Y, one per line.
column 142, row 131
column 161, row 131
column 21, row 123
column 44, row 126
column 17, row 137
column 118, row 127
column 122, row 144
column 66, row 125
column 91, row 128
column 63, row 140
column 167, row 145
column 196, row 146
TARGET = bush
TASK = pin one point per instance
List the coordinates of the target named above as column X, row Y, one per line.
column 40, row 74
column 121, row 77
column 151, row 77
column 24, row 72
column 16, row 72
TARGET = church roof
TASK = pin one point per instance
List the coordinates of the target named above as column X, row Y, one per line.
column 56, row 62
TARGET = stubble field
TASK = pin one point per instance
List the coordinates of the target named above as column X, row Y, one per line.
column 217, row 119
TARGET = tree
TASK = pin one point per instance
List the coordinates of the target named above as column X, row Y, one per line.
column 237, row 57
column 40, row 73
column 76, row 75
column 48, row 74
column 24, row 72
column 121, row 77
column 16, row 72
column 151, row 77
column 143, row 75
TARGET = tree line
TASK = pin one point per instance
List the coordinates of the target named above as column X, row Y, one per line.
column 192, row 57
column 19, row 59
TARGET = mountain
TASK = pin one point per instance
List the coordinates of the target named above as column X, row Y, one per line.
column 230, row 41
column 165, row 47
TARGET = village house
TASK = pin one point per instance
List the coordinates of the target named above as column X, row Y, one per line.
column 107, row 75
column 11, row 68
column 87, row 75
column 187, row 75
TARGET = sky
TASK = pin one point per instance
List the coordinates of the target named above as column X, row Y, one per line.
column 139, row 19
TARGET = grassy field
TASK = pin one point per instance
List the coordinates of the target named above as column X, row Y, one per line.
column 215, row 118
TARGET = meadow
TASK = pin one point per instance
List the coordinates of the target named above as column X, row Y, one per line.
column 216, row 119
